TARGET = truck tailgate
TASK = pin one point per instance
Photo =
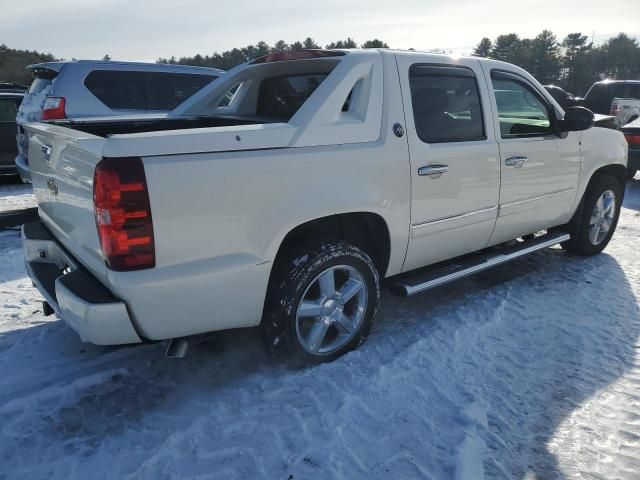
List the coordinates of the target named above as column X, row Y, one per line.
column 62, row 163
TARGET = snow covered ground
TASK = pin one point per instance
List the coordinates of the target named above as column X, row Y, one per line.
column 530, row 371
column 15, row 195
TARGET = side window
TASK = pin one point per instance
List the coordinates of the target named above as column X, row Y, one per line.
column 168, row 90
column 119, row 90
column 280, row 97
column 446, row 104
column 8, row 110
column 227, row 98
column 521, row 110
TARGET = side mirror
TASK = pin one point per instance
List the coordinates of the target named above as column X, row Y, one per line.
column 577, row 119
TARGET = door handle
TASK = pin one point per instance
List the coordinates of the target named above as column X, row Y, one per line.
column 433, row 170
column 516, row 161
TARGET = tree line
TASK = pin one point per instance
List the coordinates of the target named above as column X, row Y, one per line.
column 573, row 63
column 12, row 63
column 231, row 58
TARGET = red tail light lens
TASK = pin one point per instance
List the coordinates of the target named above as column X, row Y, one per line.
column 53, row 108
column 633, row 139
column 123, row 214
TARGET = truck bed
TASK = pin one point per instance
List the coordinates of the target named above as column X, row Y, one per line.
column 107, row 127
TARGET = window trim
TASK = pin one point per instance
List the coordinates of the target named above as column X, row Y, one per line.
column 554, row 125
column 450, row 67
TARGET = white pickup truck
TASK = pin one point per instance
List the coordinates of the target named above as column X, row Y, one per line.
column 282, row 194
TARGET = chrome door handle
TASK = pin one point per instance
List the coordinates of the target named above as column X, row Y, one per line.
column 433, row 170
column 516, row 161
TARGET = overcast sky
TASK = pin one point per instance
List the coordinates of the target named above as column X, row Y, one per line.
column 137, row 30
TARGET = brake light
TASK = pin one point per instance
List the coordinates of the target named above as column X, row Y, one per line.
column 634, row 139
column 123, row 214
column 53, row 108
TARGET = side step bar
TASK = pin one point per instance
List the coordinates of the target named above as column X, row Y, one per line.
column 425, row 279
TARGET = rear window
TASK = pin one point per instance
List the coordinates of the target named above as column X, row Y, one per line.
column 168, row 90
column 281, row 97
column 125, row 90
column 39, row 84
column 601, row 95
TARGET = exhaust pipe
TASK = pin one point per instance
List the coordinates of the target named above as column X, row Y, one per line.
column 177, row 348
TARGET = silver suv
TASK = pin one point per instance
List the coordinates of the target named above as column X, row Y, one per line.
column 89, row 88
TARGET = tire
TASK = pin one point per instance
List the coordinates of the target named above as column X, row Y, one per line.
column 294, row 327
column 584, row 242
column 631, row 172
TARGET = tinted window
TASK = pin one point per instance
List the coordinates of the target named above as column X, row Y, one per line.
column 121, row 90
column 520, row 109
column 8, row 110
column 446, row 104
column 281, row 97
column 168, row 90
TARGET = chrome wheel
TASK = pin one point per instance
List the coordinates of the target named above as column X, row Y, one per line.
column 602, row 217
column 331, row 310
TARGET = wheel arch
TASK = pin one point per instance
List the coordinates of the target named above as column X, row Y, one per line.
column 617, row 171
column 367, row 230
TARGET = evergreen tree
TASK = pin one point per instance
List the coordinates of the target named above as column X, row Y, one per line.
column 375, row 43
column 545, row 62
column 310, row 43
column 348, row 43
column 507, row 48
column 483, row 49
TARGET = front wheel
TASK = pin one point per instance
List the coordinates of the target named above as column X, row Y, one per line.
column 322, row 301
column 599, row 217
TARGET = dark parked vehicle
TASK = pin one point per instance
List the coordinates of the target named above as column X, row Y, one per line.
column 599, row 97
column 568, row 100
column 632, row 134
column 9, row 103
column 564, row 98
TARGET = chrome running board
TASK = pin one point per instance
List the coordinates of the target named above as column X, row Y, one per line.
column 416, row 282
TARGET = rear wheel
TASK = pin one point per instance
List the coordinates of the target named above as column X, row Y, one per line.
column 599, row 217
column 322, row 301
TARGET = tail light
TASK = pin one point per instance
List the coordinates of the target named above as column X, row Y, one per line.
column 632, row 139
column 123, row 214
column 53, row 108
